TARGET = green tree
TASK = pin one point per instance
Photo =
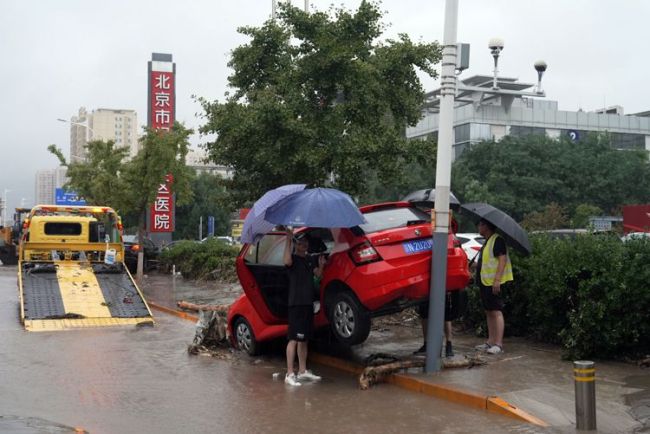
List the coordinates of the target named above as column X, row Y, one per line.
column 161, row 153
column 582, row 213
column 522, row 175
column 318, row 99
column 106, row 178
column 99, row 179
column 552, row 217
column 209, row 199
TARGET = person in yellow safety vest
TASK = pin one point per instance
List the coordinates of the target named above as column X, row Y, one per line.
column 493, row 269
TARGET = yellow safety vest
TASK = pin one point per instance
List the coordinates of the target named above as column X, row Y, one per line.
column 489, row 264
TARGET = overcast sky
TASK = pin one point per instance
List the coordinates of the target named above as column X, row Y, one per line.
column 57, row 56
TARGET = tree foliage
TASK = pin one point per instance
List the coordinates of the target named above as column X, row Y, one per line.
column 317, row 99
column 553, row 216
column 522, row 175
column 107, row 178
column 209, row 199
column 99, row 179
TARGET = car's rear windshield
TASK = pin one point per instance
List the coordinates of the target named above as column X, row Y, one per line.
column 60, row 228
column 390, row 218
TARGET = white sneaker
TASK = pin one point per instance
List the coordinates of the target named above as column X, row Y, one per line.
column 494, row 349
column 308, row 375
column 483, row 347
column 291, row 380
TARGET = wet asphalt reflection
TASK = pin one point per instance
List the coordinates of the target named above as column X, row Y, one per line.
column 142, row 380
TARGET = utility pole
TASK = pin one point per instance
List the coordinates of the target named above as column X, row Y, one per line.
column 435, row 325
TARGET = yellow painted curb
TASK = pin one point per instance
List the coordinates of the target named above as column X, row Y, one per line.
column 498, row 405
column 493, row 404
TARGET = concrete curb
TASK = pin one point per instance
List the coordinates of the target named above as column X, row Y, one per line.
column 493, row 404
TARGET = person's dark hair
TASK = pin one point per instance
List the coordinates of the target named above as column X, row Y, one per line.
column 488, row 224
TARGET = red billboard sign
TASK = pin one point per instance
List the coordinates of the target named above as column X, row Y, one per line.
column 162, row 100
column 162, row 210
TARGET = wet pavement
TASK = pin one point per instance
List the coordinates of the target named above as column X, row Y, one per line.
column 529, row 375
column 142, row 380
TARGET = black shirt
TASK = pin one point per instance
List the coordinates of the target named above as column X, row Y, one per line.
column 301, row 281
column 499, row 249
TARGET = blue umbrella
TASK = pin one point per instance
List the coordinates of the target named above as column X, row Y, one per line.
column 316, row 207
column 255, row 225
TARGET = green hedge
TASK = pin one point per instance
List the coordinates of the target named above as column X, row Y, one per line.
column 212, row 259
column 590, row 294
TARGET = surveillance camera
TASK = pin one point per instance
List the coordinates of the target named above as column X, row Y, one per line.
column 496, row 44
column 540, row 66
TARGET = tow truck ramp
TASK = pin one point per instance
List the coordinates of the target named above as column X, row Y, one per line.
column 71, row 271
column 66, row 294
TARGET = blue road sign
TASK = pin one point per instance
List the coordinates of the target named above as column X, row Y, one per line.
column 62, row 197
column 211, row 226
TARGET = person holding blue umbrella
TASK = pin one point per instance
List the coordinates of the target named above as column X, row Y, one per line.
column 301, row 311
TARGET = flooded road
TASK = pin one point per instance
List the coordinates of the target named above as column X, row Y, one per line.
column 142, row 380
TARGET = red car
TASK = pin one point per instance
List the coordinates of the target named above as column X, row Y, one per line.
column 378, row 268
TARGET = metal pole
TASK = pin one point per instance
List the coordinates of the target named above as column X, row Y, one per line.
column 307, row 6
column 436, row 321
column 200, row 228
column 585, row 381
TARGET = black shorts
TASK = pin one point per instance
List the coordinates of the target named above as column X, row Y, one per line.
column 455, row 305
column 301, row 322
column 490, row 300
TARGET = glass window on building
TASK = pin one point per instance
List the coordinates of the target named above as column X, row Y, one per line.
column 523, row 131
column 627, row 141
column 462, row 133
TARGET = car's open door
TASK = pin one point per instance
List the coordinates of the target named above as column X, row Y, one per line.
column 264, row 277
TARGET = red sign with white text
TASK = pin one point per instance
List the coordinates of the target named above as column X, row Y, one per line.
column 162, row 100
column 162, row 210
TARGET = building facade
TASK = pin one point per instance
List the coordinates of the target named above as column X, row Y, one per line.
column 120, row 126
column 47, row 181
column 483, row 112
column 198, row 160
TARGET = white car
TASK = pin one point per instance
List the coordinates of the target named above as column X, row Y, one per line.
column 635, row 235
column 471, row 244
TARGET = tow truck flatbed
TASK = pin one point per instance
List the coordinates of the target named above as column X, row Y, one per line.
column 67, row 283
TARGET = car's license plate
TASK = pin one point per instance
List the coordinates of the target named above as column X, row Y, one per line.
column 417, row 246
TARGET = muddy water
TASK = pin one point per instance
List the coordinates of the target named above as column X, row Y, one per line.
column 167, row 290
column 141, row 380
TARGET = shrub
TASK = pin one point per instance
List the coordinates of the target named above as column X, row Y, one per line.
column 211, row 259
column 589, row 294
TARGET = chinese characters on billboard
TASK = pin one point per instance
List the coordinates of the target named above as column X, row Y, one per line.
column 162, row 210
column 162, row 100
column 162, row 110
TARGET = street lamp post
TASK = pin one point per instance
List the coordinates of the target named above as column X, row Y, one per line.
column 443, row 180
column 86, row 135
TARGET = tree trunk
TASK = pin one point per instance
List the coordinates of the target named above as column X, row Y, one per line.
column 375, row 374
column 141, row 229
column 197, row 307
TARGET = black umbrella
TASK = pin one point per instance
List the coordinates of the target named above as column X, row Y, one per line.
column 505, row 225
column 427, row 198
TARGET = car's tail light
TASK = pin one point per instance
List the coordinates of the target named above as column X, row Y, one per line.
column 456, row 242
column 364, row 253
column 135, row 247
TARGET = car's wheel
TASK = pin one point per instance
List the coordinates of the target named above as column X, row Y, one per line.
column 349, row 320
column 245, row 337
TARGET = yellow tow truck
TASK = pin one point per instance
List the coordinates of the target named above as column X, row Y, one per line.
column 71, row 271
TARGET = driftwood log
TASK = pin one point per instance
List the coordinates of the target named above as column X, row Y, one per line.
column 376, row 374
column 205, row 307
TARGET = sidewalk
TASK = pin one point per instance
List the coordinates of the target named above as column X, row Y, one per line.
column 530, row 376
